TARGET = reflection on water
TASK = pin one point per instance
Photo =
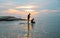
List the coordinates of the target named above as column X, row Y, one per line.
column 46, row 26
column 18, row 30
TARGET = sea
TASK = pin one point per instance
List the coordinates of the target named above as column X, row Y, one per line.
column 47, row 25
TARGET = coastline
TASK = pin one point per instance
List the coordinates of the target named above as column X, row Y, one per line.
column 11, row 18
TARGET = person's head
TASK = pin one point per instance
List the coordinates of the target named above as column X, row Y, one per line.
column 29, row 13
column 32, row 18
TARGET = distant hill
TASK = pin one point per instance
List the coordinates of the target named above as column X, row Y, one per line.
column 10, row 18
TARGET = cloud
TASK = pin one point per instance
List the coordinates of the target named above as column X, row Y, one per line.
column 20, row 6
column 49, row 11
column 20, row 12
column 25, row 12
column 13, row 11
column 29, row 6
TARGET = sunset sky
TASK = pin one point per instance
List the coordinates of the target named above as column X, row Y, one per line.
column 23, row 7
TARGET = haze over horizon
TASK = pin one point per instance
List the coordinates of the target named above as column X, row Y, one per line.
column 23, row 7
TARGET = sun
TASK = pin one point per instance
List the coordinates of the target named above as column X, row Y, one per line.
column 29, row 10
column 32, row 12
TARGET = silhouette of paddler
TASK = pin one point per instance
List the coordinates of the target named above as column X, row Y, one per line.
column 28, row 16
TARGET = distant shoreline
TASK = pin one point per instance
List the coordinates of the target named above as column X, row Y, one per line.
column 11, row 18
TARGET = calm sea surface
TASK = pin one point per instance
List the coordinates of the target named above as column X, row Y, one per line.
column 47, row 26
